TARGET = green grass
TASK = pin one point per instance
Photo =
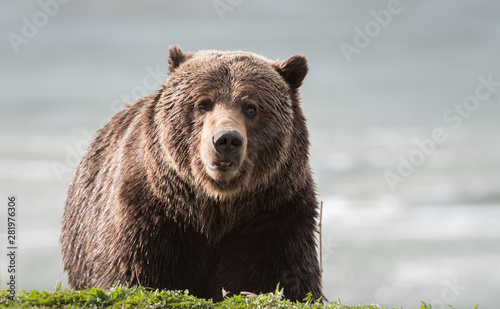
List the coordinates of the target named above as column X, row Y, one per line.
column 140, row 297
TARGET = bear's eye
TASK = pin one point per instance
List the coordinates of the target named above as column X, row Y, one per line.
column 204, row 106
column 250, row 109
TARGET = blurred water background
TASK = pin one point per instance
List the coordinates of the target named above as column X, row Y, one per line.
column 373, row 94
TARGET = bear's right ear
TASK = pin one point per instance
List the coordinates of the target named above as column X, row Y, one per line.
column 176, row 57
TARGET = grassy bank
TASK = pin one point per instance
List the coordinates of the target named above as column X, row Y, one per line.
column 139, row 297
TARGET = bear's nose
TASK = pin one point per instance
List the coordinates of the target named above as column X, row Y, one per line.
column 227, row 142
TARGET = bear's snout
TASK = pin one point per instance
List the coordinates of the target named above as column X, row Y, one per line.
column 228, row 145
column 227, row 142
column 224, row 145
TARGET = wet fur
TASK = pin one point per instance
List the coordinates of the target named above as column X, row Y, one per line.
column 141, row 209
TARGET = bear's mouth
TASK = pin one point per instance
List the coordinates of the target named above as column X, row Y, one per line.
column 222, row 166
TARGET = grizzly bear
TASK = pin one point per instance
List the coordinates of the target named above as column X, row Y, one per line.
column 204, row 185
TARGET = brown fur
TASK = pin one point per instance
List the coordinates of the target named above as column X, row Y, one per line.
column 145, row 208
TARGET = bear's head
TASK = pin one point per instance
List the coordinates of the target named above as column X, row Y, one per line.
column 226, row 119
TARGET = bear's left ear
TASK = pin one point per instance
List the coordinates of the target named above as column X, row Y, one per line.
column 176, row 57
column 293, row 70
